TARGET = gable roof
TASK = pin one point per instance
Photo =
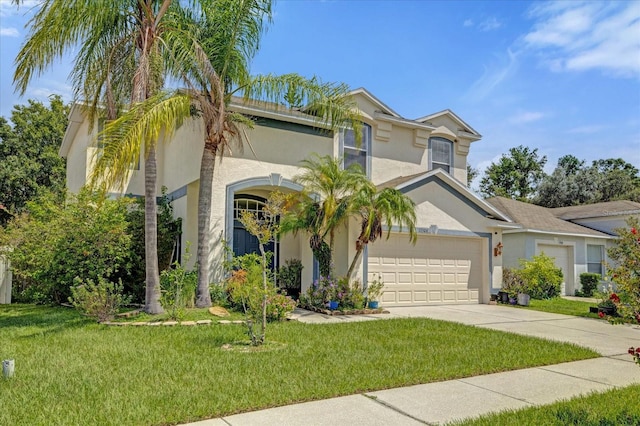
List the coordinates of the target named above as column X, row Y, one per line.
column 589, row 211
column 447, row 112
column 535, row 218
column 383, row 107
column 408, row 183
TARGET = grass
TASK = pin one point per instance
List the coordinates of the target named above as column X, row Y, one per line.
column 617, row 407
column 70, row 370
column 558, row 305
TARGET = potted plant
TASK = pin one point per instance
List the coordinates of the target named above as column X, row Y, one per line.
column 289, row 278
column 374, row 291
column 514, row 287
column 607, row 306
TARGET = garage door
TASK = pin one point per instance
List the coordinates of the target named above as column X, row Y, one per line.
column 437, row 270
column 564, row 260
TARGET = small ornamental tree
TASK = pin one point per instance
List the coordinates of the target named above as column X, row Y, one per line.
column 625, row 271
column 264, row 226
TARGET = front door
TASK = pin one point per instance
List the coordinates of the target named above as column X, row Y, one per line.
column 243, row 241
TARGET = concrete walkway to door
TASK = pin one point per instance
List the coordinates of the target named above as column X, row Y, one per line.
column 442, row 402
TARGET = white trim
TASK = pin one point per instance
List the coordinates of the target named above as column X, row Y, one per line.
column 565, row 234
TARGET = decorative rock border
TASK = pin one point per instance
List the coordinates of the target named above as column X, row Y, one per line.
column 365, row 311
column 170, row 323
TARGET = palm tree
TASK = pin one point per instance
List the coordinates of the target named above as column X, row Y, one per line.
column 389, row 207
column 326, row 204
column 121, row 59
column 227, row 36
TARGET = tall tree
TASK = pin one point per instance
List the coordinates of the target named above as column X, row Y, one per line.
column 326, row 203
column 376, row 209
column 516, row 175
column 29, row 161
column 121, row 60
column 472, row 173
column 226, row 34
column 574, row 183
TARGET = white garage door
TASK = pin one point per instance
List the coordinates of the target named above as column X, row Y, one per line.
column 564, row 260
column 437, row 270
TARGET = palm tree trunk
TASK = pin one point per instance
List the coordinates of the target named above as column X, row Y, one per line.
column 152, row 288
column 354, row 262
column 207, row 164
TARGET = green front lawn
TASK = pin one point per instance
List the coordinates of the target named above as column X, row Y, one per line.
column 558, row 305
column 618, row 407
column 69, row 370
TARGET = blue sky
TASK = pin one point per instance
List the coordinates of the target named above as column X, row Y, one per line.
column 563, row 77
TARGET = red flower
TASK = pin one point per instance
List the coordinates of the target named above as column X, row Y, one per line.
column 601, row 314
column 632, row 350
column 615, row 298
column 634, row 231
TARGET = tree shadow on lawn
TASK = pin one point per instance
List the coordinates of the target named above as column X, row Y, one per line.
column 40, row 319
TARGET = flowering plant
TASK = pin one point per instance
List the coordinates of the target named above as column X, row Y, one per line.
column 635, row 353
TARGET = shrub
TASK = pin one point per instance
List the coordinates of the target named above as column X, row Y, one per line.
column 56, row 242
column 219, row 296
column 278, row 306
column 168, row 232
column 626, row 271
column 290, row 275
column 100, row 301
column 513, row 283
column 541, row 277
column 589, row 282
column 326, row 289
column 178, row 287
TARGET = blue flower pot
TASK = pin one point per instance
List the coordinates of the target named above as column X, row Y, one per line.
column 373, row 304
column 333, row 305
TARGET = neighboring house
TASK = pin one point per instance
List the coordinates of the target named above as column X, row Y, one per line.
column 453, row 260
column 605, row 217
column 577, row 237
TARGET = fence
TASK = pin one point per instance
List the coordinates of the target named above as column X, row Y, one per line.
column 5, row 280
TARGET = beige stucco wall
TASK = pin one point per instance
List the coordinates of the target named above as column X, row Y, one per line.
column 275, row 151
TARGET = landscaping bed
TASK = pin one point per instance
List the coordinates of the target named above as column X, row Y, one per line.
column 365, row 311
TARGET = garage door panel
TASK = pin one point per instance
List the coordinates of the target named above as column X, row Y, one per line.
column 436, row 270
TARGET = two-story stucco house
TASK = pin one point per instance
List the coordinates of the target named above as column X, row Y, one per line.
column 454, row 260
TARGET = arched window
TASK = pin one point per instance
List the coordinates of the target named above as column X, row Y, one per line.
column 440, row 154
column 243, row 241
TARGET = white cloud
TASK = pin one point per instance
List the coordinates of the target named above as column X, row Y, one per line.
column 490, row 24
column 9, row 32
column 494, row 76
column 8, row 9
column 581, row 36
column 467, row 23
column 526, row 117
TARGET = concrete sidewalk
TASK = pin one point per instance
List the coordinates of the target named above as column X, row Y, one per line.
column 437, row 403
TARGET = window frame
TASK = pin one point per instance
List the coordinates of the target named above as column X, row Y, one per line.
column 365, row 147
column 431, row 162
column 600, row 263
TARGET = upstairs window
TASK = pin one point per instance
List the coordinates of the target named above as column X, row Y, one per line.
column 441, row 154
column 353, row 152
column 595, row 259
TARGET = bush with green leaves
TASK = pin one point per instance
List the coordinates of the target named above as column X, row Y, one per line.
column 290, row 275
column 513, row 283
column 178, row 290
column 349, row 295
column 55, row 241
column 589, row 282
column 100, row 300
column 625, row 272
column 169, row 229
column 541, row 277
